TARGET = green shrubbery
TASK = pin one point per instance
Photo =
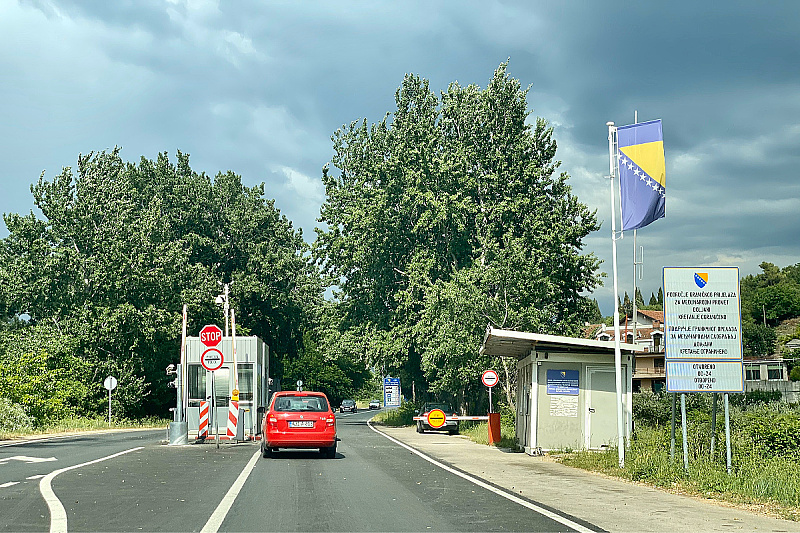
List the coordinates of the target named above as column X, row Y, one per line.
column 13, row 417
column 402, row 416
column 765, row 443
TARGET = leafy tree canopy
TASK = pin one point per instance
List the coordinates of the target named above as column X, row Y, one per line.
column 122, row 246
column 448, row 215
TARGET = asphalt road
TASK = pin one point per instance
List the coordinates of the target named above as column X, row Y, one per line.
column 373, row 484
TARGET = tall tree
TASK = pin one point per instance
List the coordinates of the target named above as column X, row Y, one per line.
column 121, row 247
column 448, row 217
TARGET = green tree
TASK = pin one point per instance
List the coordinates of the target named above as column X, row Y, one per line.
column 639, row 299
column 121, row 247
column 449, row 215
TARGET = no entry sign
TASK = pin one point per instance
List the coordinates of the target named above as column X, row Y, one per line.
column 436, row 418
column 210, row 335
column 490, row 378
column 212, row 359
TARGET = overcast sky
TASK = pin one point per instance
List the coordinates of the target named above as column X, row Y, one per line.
column 259, row 87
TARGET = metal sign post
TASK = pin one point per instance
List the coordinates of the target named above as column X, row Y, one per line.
column 490, row 379
column 212, row 360
column 110, row 383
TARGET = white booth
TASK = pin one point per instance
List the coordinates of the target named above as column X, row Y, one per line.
column 252, row 368
column 566, row 389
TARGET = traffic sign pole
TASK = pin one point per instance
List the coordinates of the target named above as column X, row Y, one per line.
column 490, row 379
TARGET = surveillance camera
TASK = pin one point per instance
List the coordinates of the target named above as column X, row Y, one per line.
column 170, row 369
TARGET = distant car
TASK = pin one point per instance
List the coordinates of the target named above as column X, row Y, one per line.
column 299, row 420
column 451, row 426
column 375, row 404
column 348, row 405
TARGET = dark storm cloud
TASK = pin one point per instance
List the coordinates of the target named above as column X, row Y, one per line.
column 259, row 87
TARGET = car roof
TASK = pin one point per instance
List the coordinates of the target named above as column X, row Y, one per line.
column 299, row 393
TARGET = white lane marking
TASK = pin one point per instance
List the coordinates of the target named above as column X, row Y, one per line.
column 9, row 484
column 37, row 476
column 33, row 441
column 26, row 459
column 533, row 507
column 58, row 516
column 219, row 514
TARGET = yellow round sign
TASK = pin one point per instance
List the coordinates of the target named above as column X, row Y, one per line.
column 436, row 418
column 235, row 395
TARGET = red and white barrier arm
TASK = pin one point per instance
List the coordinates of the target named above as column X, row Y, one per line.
column 425, row 418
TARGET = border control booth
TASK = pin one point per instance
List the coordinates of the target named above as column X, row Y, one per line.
column 566, row 389
column 252, row 366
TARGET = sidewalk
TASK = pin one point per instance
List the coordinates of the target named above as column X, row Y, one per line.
column 611, row 504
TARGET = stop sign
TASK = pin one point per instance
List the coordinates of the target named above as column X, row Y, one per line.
column 210, row 335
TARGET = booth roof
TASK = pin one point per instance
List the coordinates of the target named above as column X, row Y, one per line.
column 509, row 343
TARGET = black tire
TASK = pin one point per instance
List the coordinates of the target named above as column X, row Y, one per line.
column 329, row 452
column 265, row 452
column 453, row 431
column 419, row 427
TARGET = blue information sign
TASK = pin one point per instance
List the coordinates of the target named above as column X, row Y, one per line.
column 562, row 382
column 391, row 392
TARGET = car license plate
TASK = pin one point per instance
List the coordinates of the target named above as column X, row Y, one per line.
column 301, row 423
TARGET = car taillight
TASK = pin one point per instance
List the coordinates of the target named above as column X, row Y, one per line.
column 330, row 421
column 272, row 421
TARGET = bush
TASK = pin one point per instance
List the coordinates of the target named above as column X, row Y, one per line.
column 775, row 435
column 13, row 417
column 402, row 416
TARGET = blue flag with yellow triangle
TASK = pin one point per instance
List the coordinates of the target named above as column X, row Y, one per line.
column 640, row 150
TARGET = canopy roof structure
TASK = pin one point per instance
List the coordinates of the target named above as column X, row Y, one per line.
column 518, row 344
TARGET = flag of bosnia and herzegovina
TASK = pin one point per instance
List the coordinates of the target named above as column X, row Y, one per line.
column 641, row 173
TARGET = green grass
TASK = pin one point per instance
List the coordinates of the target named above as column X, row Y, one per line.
column 770, row 483
column 83, row 424
column 402, row 416
column 479, row 433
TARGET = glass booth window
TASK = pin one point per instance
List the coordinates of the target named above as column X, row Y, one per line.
column 775, row 372
column 196, row 384
column 245, row 372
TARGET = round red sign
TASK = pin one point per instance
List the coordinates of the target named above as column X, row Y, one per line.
column 490, row 378
column 212, row 359
column 210, row 335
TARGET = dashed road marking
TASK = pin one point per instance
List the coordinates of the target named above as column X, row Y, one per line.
column 219, row 514
column 9, row 484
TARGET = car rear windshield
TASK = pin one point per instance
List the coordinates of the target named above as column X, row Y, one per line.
column 348, row 402
column 443, row 406
column 288, row 404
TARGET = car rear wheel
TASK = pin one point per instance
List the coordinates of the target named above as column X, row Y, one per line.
column 453, row 431
column 265, row 452
column 329, row 452
column 419, row 428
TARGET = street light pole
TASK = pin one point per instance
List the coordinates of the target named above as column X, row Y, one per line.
column 226, row 309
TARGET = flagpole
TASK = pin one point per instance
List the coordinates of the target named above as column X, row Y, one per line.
column 617, row 349
column 635, row 121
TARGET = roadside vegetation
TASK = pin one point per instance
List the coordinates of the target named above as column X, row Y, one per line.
column 765, row 442
column 11, row 428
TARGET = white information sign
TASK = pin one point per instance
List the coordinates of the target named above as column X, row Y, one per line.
column 703, row 329
column 564, row 406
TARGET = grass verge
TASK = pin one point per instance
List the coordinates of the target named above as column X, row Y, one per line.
column 479, row 433
column 769, row 485
column 71, row 425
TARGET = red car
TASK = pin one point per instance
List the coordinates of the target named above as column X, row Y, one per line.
column 299, row 420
